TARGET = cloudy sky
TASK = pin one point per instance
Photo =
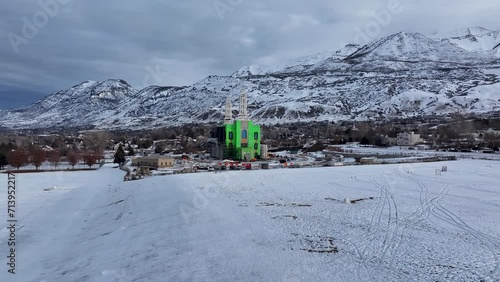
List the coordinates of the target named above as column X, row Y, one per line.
column 46, row 48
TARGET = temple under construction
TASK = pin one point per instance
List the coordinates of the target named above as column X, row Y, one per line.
column 236, row 139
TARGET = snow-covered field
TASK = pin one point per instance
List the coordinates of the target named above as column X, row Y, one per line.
column 268, row 225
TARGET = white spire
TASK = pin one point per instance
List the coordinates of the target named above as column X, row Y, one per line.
column 228, row 117
column 243, row 115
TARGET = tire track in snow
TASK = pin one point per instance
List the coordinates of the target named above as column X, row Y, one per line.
column 396, row 227
column 448, row 216
column 489, row 242
column 421, row 214
column 357, row 257
column 391, row 224
column 368, row 239
column 392, row 228
column 378, row 225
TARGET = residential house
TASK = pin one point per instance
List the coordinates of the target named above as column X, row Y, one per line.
column 409, row 139
column 154, row 161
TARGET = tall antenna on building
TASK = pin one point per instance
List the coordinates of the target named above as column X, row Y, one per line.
column 228, row 117
column 243, row 115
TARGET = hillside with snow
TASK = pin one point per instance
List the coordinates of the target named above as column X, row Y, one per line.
column 398, row 76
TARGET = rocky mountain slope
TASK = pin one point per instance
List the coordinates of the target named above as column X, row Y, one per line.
column 402, row 75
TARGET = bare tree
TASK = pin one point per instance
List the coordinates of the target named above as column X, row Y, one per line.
column 73, row 158
column 492, row 140
column 96, row 141
column 55, row 158
column 18, row 158
column 38, row 156
column 90, row 158
column 99, row 155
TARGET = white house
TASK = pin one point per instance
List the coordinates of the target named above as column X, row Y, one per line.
column 409, row 139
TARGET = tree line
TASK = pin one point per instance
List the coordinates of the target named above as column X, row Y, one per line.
column 19, row 157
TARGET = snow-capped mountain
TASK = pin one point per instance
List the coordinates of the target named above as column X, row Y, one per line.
column 299, row 64
column 83, row 102
column 473, row 30
column 401, row 75
column 474, row 39
column 415, row 47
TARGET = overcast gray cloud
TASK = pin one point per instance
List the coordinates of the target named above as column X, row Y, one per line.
column 180, row 42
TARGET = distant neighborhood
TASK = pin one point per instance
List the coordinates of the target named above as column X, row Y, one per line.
column 167, row 147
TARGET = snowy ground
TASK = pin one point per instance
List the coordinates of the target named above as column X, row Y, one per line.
column 267, row 225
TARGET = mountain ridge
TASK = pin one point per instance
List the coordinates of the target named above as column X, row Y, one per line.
column 397, row 76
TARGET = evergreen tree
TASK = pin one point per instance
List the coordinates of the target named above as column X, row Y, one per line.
column 3, row 160
column 3, row 155
column 159, row 148
column 146, row 144
column 131, row 151
column 4, row 152
column 119, row 156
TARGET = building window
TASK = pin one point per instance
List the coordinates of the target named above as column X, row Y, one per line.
column 244, row 134
column 230, row 136
column 256, row 146
column 256, row 136
column 244, row 145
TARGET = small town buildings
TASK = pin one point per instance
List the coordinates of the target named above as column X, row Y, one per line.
column 390, row 141
column 154, row 161
column 409, row 139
